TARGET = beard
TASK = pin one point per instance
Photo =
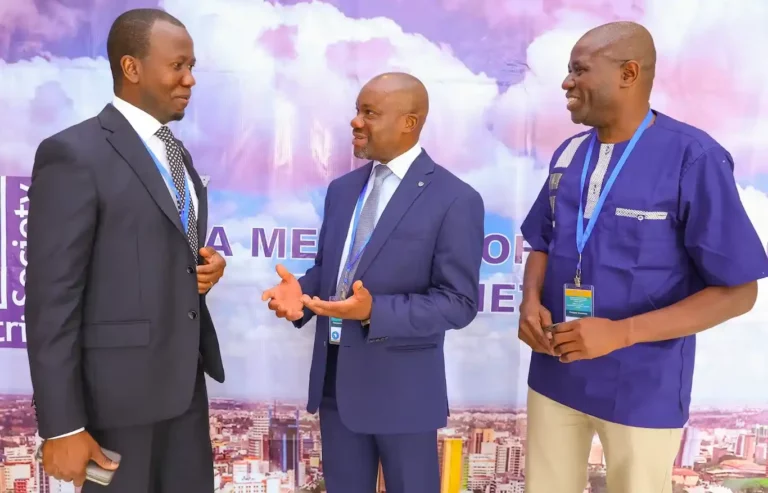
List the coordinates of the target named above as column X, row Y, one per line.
column 361, row 152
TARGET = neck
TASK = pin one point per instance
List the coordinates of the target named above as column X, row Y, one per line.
column 136, row 101
column 397, row 153
column 624, row 127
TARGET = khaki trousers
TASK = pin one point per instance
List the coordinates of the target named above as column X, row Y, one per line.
column 638, row 460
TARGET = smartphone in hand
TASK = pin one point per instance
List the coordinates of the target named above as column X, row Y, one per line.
column 551, row 328
column 93, row 472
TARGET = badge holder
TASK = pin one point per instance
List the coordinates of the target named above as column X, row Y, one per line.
column 334, row 325
column 578, row 301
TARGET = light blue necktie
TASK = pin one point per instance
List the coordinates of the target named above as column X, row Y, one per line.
column 364, row 228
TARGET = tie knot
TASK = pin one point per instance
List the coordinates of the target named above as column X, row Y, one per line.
column 165, row 134
column 381, row 171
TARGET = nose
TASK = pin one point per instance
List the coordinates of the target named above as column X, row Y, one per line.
column 357, row 122
column 568, row 82
column 188, row 80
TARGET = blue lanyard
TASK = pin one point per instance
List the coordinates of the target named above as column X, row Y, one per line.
column 581, row 235
column 169, row 180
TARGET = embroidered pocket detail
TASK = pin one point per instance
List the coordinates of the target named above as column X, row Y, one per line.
column 641, row 215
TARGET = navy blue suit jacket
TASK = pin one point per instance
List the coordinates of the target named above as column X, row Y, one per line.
column 422, row 267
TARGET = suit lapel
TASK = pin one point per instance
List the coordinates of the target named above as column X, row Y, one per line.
column 127, row 143
column 415, row 181
column 341, row 223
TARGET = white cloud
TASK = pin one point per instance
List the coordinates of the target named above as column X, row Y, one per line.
column 291, row 210
column 509, row 185
column 486, row 363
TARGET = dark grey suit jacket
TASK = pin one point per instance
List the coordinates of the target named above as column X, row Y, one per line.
column 115, row 325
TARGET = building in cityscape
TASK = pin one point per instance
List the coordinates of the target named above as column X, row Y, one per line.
column 450, row 455
column 284, row 444
column 690, row 447
column 276, row 448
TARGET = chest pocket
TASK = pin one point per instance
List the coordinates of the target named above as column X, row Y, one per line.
column 635, row 225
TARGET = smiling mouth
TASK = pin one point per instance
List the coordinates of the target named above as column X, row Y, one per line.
column 572, row 102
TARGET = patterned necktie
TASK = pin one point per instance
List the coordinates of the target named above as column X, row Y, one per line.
column 176, row 162
column 364, row 230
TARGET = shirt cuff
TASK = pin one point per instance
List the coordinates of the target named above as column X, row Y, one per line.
column 68, row 434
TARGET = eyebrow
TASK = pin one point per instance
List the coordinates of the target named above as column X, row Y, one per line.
column 182, row 58
column 576, row 64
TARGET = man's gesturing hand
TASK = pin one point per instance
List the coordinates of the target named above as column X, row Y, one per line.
column 285, row 298
column 356, row 307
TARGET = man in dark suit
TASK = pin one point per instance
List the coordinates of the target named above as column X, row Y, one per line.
column 412, row 232
column 118, row 328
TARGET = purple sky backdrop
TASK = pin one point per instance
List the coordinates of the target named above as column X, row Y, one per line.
column 489, row 36
column 269, row 122
column 518, row 47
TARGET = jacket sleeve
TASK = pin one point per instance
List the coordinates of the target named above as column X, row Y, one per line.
column 60, row 230
column 451, row 302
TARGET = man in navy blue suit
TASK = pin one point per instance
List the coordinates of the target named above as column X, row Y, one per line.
column 398, row 265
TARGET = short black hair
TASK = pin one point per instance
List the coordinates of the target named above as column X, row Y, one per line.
column 129, row 35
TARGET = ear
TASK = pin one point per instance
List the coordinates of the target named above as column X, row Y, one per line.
column 411, row 121
column 630, row 73
column 130, row 68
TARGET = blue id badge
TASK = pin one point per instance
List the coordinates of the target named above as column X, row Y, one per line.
column 334, row 326
column 578, row 301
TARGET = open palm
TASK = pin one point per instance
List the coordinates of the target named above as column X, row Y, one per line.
column 285, row 298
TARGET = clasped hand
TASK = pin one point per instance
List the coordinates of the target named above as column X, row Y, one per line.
column 211, row 271
column 586, row 338
column 288, row 302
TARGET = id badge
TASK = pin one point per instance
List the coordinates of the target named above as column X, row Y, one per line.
column 334, row 327
column 578, row 302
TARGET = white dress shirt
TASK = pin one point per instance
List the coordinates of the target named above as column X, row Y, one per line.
column 399, row 167
column 146, row 125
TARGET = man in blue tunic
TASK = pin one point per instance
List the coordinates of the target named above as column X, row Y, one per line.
column 639, row 241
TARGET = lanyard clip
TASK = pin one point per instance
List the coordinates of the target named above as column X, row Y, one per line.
column 577, row 278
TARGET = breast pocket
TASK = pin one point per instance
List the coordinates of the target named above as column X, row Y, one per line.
column 410, row 233
column 640, row 225
column 642, row 215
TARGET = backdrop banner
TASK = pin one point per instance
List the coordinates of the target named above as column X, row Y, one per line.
column 269, row 127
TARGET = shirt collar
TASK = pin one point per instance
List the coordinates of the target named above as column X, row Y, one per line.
column 401, row 163
column 142, row 122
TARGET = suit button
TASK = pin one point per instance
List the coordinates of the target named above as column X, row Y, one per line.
column 192, row 314
column 190, row 270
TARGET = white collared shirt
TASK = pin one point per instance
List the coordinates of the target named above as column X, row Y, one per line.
column 146, row 125
column 399, row 167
